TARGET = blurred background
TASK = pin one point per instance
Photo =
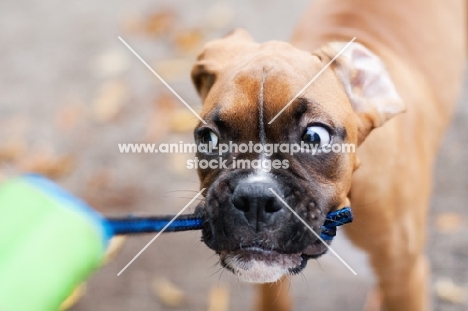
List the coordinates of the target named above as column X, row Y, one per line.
column 71, row 91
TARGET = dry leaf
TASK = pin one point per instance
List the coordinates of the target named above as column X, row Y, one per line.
column 12, row 150
column 47, row 164
column 450, row 292
column 74, row 297
column 182, row 120
column 189, row 40
column 174, row 69
column 448, row 222
column 157, row 125
column 68, row 117
column 110, row 100
column 100, row 180
column 122, row 199
column 115, row 245
column 218, row 299
column 158, row 23
column 165, row 102
column 132, row 23
column 168, row 293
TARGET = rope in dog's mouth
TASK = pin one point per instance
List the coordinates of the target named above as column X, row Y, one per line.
column 136, row 225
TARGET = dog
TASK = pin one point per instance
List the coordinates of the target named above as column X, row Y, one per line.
column 391, row 93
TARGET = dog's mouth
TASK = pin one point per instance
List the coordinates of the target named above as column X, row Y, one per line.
column 254, row 234
column 258, row 265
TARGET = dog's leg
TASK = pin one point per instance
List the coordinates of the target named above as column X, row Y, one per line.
column 407, row 291
column 392, row 232
column 402, row 273
column 274, row 296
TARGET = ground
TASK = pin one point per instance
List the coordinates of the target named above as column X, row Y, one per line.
column 71, row 91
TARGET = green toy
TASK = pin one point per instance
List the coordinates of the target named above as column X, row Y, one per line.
column 50, row 242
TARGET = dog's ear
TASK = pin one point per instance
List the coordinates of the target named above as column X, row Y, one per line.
column 214, row 56
column 367, row 84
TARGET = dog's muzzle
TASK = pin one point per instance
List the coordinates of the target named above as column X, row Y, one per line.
column 257, row 237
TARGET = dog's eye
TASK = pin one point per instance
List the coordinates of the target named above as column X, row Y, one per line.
column 317, row 136
column 207, row 137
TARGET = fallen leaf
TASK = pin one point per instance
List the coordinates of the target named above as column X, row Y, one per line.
column 114, row 247
column 168, row 293
column 68, row 116
column 218, row 299
column 188, row 40
column 132, row 23
column 110, row 100
column 448, row 222
column 13, row 150
column 47, row 164
column 165, row 102
column 73, row 299
column 450, row 292
column 175, row 69
column 182, row 120
column 157, row 125
column 158, row 23
column 112, row 199
column 100, row 180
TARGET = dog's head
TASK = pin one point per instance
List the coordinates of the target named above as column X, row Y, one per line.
column 244, row 85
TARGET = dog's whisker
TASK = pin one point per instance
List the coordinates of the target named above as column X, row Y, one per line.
column 239, row 287
column 320, row 266
column 293, row 288
column 176, row 190
column 167, row 193
column 179, row 197
column 305, row 279
column 279, row 290
column 214, row 273
column 215, row 264
column 221, row 274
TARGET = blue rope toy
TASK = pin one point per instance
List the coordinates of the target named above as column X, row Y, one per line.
column 133, row 225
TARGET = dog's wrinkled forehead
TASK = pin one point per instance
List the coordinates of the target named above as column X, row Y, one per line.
column 266, row 79
column 356, row 90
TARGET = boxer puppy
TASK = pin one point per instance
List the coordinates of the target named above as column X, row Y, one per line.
column 403, row 62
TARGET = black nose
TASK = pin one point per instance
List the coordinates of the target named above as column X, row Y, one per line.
column 257, row 202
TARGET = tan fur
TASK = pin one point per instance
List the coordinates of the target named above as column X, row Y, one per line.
column 423, row 45
column 275, row 296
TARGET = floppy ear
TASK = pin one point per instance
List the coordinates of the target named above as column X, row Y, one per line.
column 367, row 84
column 215, row 56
